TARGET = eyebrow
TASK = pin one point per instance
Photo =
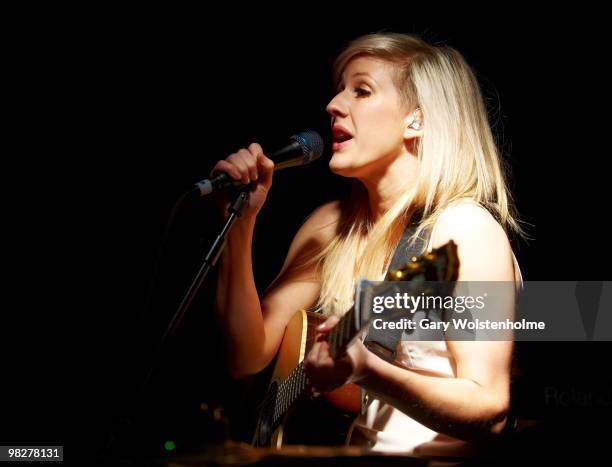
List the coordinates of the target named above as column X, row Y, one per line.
column 356, row 75
column 361, row 73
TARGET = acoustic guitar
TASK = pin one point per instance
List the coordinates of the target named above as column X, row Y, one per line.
column 290, row 414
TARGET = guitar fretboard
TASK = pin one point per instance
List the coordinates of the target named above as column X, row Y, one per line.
column 342, row 333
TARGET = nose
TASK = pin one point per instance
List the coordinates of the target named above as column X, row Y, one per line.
column 335, row 107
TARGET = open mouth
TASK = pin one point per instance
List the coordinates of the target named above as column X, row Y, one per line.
column 340, row 135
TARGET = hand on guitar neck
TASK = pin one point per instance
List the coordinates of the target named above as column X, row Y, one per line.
column 326, row 372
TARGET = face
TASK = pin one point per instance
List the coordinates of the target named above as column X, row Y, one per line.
column 368, row 119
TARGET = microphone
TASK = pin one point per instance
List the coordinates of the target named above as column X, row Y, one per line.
column 303, row 148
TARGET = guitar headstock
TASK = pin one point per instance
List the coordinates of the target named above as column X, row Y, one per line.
column 441, row 264
column 432, row 273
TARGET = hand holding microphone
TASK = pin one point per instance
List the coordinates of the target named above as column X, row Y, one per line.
column 251, row 166
column 244, row 167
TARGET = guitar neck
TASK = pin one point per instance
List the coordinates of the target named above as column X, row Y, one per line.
column 342, row 333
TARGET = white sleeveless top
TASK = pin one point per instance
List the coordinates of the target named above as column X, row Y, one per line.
column 386, row 429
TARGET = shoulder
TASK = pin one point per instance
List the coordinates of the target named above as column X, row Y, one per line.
column 322, row 224
column 465, row 218
column 316, row 232
column 483, row 246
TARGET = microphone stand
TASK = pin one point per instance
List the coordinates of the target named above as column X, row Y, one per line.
column 235, row 210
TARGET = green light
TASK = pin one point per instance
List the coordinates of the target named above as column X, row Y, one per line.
column 169, row 445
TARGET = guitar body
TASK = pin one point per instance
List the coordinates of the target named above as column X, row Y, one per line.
column 324, row 420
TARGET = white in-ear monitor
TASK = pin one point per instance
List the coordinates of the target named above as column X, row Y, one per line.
column 416, row 123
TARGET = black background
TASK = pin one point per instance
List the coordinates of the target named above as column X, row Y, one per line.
column 115, row 113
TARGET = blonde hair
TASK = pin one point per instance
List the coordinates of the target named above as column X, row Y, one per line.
column 458, row 159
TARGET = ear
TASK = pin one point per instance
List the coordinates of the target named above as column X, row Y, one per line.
column 413, row 124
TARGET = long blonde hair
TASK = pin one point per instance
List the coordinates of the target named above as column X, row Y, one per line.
column 458, row 159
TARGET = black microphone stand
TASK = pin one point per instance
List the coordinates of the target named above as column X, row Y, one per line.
column 235, row 210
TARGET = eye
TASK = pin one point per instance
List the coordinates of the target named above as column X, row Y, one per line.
column 361, row 92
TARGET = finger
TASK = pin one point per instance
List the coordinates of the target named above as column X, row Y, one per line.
column 241, row 165
column 321, row 337
column 251, row 162
column 314, row 353
column 266, row 169
column 325, row 357
column 328, row 324
column 256, row 150
column 228, row 168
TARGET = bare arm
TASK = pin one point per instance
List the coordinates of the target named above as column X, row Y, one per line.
column 254, row 328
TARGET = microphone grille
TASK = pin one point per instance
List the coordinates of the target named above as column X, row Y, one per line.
column 311, row 144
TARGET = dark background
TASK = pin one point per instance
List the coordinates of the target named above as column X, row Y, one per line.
column 115, row 114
